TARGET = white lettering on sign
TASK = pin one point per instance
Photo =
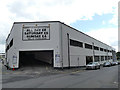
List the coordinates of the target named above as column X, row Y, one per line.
column 36, row 33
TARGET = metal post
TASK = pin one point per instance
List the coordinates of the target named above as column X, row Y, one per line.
column 61, row 48
column 78, row 61
column 68, row 50
column 107, row 54
column 93, row 52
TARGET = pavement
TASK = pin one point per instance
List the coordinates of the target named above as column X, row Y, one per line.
column 37, row 70
column 29, row 72
column 119, row 76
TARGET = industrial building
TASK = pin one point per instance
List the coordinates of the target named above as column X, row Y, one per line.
column 55, row 43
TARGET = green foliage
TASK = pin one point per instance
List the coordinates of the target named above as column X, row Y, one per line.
column 0, row 57
column 118, row 55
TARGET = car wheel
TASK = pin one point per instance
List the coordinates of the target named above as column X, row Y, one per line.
column 95, row 67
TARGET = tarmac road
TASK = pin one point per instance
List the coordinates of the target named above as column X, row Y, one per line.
column 106, row 77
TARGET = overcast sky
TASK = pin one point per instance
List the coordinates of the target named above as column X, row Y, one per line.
column 97, row 18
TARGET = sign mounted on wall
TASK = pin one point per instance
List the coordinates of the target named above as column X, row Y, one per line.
column 14, row 60
column 57, row 58
column 36, row 33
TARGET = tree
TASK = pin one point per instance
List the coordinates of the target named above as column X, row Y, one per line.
column 0, row 56
column 118, row 55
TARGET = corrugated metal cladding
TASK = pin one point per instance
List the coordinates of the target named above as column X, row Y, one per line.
column 55, row 43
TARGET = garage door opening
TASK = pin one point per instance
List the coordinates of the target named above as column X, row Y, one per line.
column 36, row 58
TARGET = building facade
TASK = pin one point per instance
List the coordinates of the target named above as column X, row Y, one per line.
column 55, row 43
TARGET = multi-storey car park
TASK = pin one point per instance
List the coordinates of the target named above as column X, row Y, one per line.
column 55, row 43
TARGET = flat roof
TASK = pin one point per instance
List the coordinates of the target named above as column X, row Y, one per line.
column 38, row 22
column 64, row 24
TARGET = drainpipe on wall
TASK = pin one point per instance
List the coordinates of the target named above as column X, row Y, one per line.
column 93, row 52
column 107, row 54
column 61, row 49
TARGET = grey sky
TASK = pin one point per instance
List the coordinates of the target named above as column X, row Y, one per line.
column 67, row 11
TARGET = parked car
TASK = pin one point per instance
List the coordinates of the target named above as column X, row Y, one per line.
column 114, row 63
column 93, row 65
column 118, row 62
column 107, row 64
column 1, row 60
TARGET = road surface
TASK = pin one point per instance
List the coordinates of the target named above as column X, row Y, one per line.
column 106, row 77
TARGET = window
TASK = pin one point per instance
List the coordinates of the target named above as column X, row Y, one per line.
column 96, row 58
column 10, row 45
column 102, row 58
column 89, row 59
column 96, row 48
column 111, row 57
column 101, row 49
column 88, row 46
column 76, row 43
column 7, row 48
column 105, row 50
column 105, row 57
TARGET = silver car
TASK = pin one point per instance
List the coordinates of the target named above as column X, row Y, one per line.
column 107, row 64
column 93, row 65
column 114, row 63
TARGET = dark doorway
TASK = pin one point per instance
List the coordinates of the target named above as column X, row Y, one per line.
column 89, row 59
column 36, row 58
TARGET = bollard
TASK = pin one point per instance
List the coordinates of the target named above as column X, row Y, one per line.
column 13, row 67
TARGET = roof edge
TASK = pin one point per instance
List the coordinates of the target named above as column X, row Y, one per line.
column 37, row 22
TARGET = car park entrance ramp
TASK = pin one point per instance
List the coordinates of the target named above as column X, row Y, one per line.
column 35, row 58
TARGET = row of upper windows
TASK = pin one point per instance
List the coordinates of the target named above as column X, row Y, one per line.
column 87, row 46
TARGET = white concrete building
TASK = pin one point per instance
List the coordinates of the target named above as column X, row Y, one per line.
column 55, row 43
